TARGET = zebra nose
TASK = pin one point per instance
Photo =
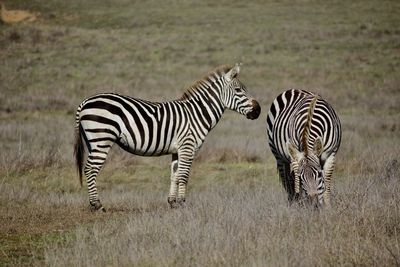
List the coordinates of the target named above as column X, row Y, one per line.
column 312, row 194
column 313, row 197
column 255, row 112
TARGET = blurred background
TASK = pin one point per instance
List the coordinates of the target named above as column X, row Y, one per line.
column 348, row 53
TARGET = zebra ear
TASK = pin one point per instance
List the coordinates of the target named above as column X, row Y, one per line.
column 295, row 154
column 233, row 73
column 318, row 147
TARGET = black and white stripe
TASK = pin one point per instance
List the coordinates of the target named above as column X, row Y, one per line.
column 152, row 129
column 304, row 135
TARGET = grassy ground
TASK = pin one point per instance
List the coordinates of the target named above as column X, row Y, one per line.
column 237, row 213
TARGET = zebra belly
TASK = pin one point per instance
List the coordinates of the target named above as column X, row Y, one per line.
column 128, row 145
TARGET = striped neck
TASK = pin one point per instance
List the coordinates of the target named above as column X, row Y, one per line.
column 205, row 105
column 206, row 97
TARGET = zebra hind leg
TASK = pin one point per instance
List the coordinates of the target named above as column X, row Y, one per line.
column 95, row 162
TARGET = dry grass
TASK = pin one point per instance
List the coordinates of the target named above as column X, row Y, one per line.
column 236, row 213
column 253, row 223
column 247, row 227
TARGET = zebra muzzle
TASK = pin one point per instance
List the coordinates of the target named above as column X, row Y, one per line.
column 255, row 112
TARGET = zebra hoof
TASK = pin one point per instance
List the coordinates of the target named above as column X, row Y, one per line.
column 172, row 202
column 96, row 206
column 176, row 202
column 181, row 202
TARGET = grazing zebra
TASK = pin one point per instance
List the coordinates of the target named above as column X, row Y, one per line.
column 304, row 135
column 147, row 128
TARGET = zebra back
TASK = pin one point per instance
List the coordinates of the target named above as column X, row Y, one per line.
column 300, row 117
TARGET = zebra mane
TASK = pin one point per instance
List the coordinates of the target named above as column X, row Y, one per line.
column 199, row 84
column 306, row 132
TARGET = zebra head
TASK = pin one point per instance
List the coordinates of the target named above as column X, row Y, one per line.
column 235, row 96
column 308, row 172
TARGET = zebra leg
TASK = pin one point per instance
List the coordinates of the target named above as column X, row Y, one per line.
column 328, row 171
column 174, row 181
column 185, row 159
column 94, row 163
column 287, row 179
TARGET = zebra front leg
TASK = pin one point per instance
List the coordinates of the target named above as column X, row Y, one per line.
column 184, row 164
column 328, row 171
column 174, row 182
column 287, row 179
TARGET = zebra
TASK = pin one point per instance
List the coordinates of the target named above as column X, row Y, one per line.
column 304, row 134
column 145, row 128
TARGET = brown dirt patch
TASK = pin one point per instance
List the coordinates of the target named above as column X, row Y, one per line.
column 26, row 228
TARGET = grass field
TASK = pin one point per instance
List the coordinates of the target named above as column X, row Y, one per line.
column 236, row 214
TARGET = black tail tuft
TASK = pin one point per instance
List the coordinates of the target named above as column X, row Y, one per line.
column 79, row 151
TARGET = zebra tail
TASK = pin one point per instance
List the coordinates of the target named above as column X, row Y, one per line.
column 79, row 152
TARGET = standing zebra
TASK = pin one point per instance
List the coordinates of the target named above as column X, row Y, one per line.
column 147, row 128
column 304, row 135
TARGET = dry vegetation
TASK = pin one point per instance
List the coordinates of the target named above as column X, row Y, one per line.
column 237, row 214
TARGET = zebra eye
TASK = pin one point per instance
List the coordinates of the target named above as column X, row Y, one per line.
column 238, row 90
